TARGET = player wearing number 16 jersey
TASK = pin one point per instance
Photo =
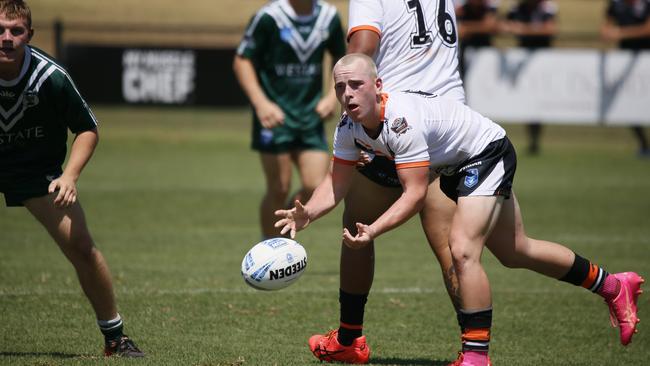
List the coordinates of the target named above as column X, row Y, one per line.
column 418, row 43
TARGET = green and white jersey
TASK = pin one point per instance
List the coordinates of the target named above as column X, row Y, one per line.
column 36, row 111
column 287, row 51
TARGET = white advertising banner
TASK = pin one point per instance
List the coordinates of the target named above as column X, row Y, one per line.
column 565, row 86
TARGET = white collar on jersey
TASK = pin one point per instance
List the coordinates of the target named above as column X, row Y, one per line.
column 287, row 8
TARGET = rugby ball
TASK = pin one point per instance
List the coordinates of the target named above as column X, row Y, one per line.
column 274, row 264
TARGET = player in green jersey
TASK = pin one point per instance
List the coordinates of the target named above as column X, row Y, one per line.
column 38, row 104
column 279, row 65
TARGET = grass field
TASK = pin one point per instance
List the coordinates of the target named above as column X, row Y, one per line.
column 171, row 197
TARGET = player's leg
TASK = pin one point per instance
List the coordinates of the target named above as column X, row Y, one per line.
column 312, row 168
column 480, row 187
column 509, row 243
column 364, row 202
column 67, row 226
column 473, row 221
column 277, row 173
column 435, row 217
column 534, row 130
column 644, row 147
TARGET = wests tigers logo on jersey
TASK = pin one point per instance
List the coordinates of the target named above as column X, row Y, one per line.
column 400, row 126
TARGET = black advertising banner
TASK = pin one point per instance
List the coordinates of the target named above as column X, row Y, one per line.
column 154, row 76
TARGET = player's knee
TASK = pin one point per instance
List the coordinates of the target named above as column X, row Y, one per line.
column 278, row 192
column 80, row 248
column 462, row 254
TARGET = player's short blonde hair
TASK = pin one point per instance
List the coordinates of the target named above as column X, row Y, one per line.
column 16, row 9
column 369, row 64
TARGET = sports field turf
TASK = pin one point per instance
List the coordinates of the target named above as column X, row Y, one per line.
column 171, row 197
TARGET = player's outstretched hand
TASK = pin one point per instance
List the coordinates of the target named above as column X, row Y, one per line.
column 269, row 114
column 364, row 236
column 67, row 191
column 293, row 220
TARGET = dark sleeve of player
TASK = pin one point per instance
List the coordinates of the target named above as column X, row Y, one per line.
column 73, row 109
column 336, row 41
column 257, row 38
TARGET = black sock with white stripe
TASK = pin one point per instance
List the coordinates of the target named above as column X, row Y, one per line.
column 111, row 329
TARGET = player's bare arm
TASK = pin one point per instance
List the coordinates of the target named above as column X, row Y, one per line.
column 82, row 149
column 415, row 182
column 269, row 113
column 326, row 196
column 547, row 28
column 635, row 31
column 363, row 41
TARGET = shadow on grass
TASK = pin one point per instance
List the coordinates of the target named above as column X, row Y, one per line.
column 407, row 361
column 45, row 354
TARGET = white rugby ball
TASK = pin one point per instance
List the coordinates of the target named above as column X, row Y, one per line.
column 274, row 264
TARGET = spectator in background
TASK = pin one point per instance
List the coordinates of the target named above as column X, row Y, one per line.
column 533, row 22
column 477, row 23
column 628, row 23
column 279, row 65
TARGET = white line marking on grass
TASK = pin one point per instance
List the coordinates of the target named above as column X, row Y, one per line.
column 217, row 290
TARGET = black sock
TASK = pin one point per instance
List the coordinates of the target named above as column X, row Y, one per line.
column 111, row 329
column 352, row 310
column 586, row 274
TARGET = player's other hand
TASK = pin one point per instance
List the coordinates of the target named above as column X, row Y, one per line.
column 292, row 220
column 67, row 191
column 325, row 107
column 269, row 114
column 364, row 236
column 364, row 159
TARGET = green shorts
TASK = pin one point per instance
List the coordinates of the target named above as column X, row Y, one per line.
column 19, row 189
column 283, row 139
